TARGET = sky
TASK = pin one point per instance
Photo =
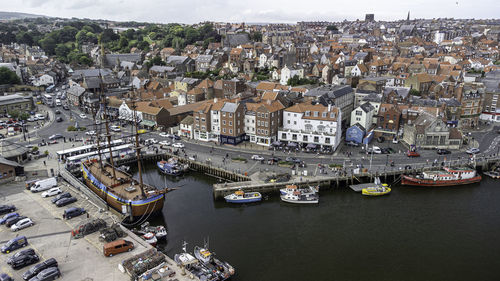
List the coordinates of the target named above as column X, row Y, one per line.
column 254, row 11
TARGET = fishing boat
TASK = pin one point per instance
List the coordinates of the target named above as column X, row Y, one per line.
column 124, row 168
column 150, row 238
column 300, row 196
column 159, row 231
column 172, row 167
column 446, row 177
column 223, row 269
column 243, row 197
column 194, row 266
column 493, row 174
column 118, row 188
column 292, row 187
column 377, row 189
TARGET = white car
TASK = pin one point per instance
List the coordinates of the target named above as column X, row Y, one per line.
column 472, row 150
column 164, row 135
column 83, row 116
column 90, row 133
column 27, row 222
column 51, row 192
column 257, row 157
column 40, row 117
column 115, row 128
column 178, row 145
column 166, row 143
column 31, row 119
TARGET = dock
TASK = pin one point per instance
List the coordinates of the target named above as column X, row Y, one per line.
column 359, row 187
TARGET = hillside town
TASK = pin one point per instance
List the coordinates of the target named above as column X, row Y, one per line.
column 315, row 84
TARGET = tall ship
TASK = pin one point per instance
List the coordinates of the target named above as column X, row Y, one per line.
column 117, row 187
column 446, row 177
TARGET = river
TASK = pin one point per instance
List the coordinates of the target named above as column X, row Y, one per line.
column 445, row 233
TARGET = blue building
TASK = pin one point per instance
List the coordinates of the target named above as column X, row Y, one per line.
column 355, row 133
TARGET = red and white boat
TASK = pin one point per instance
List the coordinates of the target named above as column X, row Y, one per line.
column 150, row 238
column 447, row 177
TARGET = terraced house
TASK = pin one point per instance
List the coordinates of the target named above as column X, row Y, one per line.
column 262, row 121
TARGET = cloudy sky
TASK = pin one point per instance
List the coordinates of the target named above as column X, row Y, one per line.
column 193, row 11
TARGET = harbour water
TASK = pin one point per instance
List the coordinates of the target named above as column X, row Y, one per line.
column 445, row 233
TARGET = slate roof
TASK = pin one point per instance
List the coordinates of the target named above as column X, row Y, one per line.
column 367, row 107
column 229, row 107
column 329, row 91
column 113, row 59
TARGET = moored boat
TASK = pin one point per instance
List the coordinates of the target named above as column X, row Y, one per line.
column 447, row 177
column 376, row 190
column 150, row 238
column 300, row 197
column 243, row 197
column 223, row 269
column 292, row 187
column 194, row 266
column 171, row 167
column 493, row 174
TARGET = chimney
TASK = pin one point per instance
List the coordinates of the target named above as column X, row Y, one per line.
column 215, row 100
column 329, row 107
column 269, row 102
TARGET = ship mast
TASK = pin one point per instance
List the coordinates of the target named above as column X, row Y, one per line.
column 108, row 135
column 138, row 149
column 98, row 137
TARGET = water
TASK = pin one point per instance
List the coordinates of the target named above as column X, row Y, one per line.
column 449, row 233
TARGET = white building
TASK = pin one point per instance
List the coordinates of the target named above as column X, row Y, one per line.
column 43, row 80
column 127, row 114
column 287, row 73
column 309, row 123
column 363, row 115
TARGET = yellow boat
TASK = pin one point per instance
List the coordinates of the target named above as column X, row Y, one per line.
column 377, row 190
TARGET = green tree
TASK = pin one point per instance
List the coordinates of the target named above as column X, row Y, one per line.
column 414, row 92
column 62, row 51
column 24, row 38
column 24, row 116
column 8, row 76
column 332, row 28
column 108, row 35
column 48, row 44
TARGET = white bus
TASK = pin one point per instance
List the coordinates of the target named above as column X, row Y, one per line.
column 119, row 152
column 74, row 151
column 48, row 100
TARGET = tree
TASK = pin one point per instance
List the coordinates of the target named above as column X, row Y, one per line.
column 256, row 36
column 108, row 35
column 332, row 28
column 24, row 38
column 414, row 92
column 48, row 44
column 8, row 76
column 62, row 51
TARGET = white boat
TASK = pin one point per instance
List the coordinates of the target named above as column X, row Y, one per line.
column 222, row 269
column 243, row 197
column 292, row 187
column 194, row 266
column 150, row 238
column 300, row 197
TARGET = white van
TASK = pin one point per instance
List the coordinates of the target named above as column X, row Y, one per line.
column 43, row 185
column 58, row 102
column 374, row 149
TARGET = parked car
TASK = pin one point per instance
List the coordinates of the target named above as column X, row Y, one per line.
column 10, row 222
column 273, row 160
column 257, row 158
column 150, row 141
column 14, row 244
column 65, row 201
column 351, row 143
column 56, row 136
column 142, row 131
column 164, row 135
column 293, row 159
column 166, row 143
column 412, row 154
column 83, row 116
column 25, row 252
column 73, row 212
column 90, row 133
column 24, row 260
column 8, row 216
column 47, row 274
column 115, row 128
column 33, row 271
column 4, row 209
column 472, row 151
column 374, row 149
column 176, row 137
column 58, row 111
column 116, row 247
column 178, row 145
column 170, row 136
column 22, row 224
column 59, row 119
column 5, row 277
column 443, row 151
column 65, row 107
column 52, row 142
column 51, row 192
column 60, row 196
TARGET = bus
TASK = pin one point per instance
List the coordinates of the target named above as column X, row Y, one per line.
column 50, row 88
column 74, row 151
column 119, row 152
column 48, row 100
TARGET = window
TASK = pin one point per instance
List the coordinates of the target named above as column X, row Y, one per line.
column 230, row 115
column 316, row 113
column 223, row 114
column 288, row 121
column 230, row 123
column 308, row 113
column 283, row 136
column 294, row 137
column 230, row 131
column 267, row 115
column 224, row 130
column 304, row 138
column 332, row 115
column 223, row 122
column 295, row 122
column 359, row 113
column 327, row 140
column 308, row 127
column 316, row 139
column 267, row 124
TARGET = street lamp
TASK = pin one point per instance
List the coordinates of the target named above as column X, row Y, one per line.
column 387, row 160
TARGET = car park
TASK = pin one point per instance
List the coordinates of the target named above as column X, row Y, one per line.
column 34, row 270
column 257, row 158
column 178, row 145
column 51, row 192
column 73, row 212
column 50, row 273
column 24, row 260
column 472, row 151
column 4, row 209
column 116, row 247
column 22, row 224
column 65, row 201
column 443, row 151
column 14, row 244
column 60, row 196
column 7, row 217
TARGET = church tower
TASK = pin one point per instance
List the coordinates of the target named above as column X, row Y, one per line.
column 408, row 18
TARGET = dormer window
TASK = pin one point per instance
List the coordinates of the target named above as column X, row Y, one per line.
column 332, row 115
column 316, row 113
column 308, row 113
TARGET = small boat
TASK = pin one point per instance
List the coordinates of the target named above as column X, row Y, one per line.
column 161, row 232
column 292, row 187
column 194, row 266
column 376, row 190
column 222, row 269
column 493, row 174
column 150, row 238
column 243, row 197
column 172, row 167
column 300, row 197
column 124, row 168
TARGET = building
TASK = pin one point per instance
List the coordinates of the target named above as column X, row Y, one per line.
column 152, row 116
column 363, row 115
column 370, row 17
column 491, row 106
column 471, row 100
column 9, row 170
column 312, row 123
column 13, row 151
column 428, row 131
column 290, row 72
column 262, row 121
column 15, row 102
column 232, row 116
column 186, row 127
column 355, row 133
column 341, row 96
column 206, row 120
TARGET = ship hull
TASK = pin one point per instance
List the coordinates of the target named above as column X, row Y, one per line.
column 408, row 180
column 139, row 208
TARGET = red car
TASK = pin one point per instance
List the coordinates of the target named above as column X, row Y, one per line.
column 412, row 154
